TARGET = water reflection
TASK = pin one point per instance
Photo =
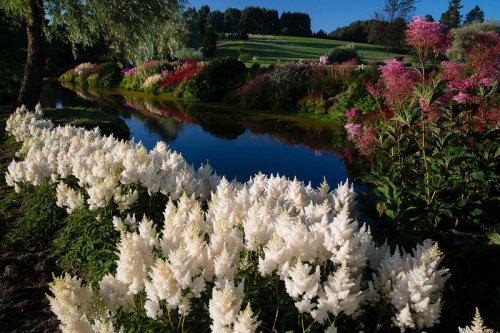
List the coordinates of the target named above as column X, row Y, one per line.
column 237, row 143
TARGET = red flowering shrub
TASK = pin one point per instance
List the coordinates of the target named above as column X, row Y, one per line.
column 182, row 73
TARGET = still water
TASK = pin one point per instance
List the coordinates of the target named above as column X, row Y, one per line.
column 237, row 143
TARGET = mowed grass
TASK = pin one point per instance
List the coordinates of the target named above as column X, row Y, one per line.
column 270, row 49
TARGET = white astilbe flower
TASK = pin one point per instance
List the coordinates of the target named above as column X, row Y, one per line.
column 477, row 325
column 102, row 165
column 105, row 325
column 163, row 286
column 296, row 196
column 340, row 293
column 347, row 243
column 404, row 319
column 345, row 196
column 413, row 284
column 148, row 232
column 69, row 198
column 115, row 293
column 134, row 260
column 275, row 255
column 302, row 284
column 224, row 306
column 70, row 302
column 246, row 322
column 125, row 201
column 331, row 329
column 225, row 266
column 258, row 226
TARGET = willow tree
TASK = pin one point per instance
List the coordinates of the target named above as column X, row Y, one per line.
column 137, row 29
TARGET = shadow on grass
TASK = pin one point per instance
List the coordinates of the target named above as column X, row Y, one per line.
column 89, row 119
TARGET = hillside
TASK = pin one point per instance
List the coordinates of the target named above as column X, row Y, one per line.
column 269, row 49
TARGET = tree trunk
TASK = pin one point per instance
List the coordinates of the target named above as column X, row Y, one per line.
column 31, row 85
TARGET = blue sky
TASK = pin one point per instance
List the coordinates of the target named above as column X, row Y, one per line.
column 330, row 14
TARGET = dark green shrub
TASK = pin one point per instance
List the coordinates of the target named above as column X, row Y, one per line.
column 288, row 85
column 109, row 75
column 85, row 245
column 209, row 42
column 40, row 218
column 214, row 82
column 343, row 54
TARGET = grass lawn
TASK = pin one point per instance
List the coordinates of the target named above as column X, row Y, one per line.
column 269, row 49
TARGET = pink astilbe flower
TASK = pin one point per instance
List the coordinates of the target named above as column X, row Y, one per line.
column 374, row 89
column 129, row 71
column 323, row 59
column 353, row 130
column 364, row 140
column 461, row 98
column 351, row 113
column 425, row 36
column 398, row 81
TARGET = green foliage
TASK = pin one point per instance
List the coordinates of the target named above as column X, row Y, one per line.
column 85, row 245
column 314, row 104
column 215, row 80
column 343, row 54
column 108, row 123
column 40, row 217
column 108, row 76
column 130, row 82
column 69, row 76
column 441, row 181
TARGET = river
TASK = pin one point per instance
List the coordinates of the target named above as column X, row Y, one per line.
column 237, row 143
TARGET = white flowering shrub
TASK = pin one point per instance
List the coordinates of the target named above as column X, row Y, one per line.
column 232, row 256
column 152, row 81
column 477, row 325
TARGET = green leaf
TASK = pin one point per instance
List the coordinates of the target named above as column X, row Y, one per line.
column 494, row 237
column 390, row 213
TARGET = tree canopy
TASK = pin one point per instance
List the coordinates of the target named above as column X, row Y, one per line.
column 475, row 15
column 452, row 17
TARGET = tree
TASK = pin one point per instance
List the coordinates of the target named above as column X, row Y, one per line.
column 209, row 41
column 429, row 18
column 195, row 38
column 452, row 17
column 320, row 34
column 216, row 20
column 475, row 15
column 357, row 32
column 273, row 24
column 137, row 29
column 232, row 17
column 394, row 13
column 202, row 18
column 296, row 24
